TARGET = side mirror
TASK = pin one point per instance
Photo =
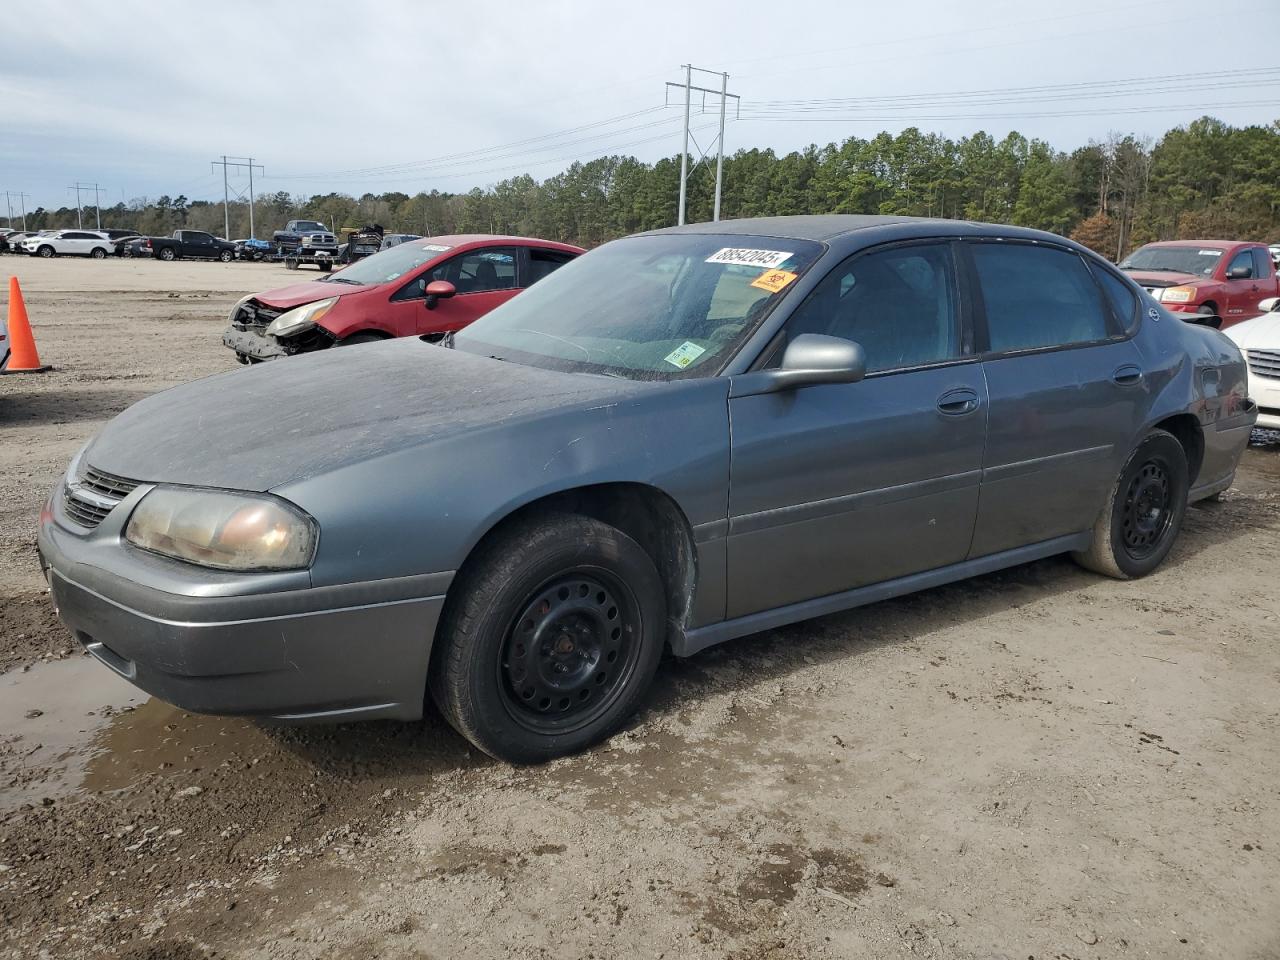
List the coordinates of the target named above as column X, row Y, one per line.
column 1240, row 273
column 810, row 359
column 1270, row 305
column 438, row 290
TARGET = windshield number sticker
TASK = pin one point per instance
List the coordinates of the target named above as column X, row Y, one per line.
column 750, row 258
column 684, row 354
column 1210, row 253
column 773, row 280
column 434, row 247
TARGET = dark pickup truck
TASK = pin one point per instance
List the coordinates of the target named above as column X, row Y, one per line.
column 305, row 238
column 187, row 245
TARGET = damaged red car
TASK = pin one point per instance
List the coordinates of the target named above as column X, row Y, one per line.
column 423, row 288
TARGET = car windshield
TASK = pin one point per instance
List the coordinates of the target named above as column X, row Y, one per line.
column 1194, row 260
column 312, row 226
column 645, row 308
column 388, row 265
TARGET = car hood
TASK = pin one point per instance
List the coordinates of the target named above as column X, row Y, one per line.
column 297, row 294
column 1260, row 333
column 1162, row 278
column 262, row 426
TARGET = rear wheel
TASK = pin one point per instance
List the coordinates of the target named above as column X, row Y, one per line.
column 98, row 253
column 325, row 267
column 550, row 639
column 167, row 253
column 1144, row 513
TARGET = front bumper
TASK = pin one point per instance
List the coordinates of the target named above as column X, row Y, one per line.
column 350, row 651
column 1265, row 392
column 251, row 344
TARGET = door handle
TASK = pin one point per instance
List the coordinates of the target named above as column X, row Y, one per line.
column 1128, row 375
column 957, row 403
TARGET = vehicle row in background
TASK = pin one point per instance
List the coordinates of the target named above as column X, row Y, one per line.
column 424, row 287
column 183, row 245
column 1216, row 278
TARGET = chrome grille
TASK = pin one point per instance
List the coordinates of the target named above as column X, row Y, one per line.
column 90, row 499
column 1264, row 363
column 108, row 484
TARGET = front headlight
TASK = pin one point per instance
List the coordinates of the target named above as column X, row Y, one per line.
column 1179, row 294
column 231, row 317
column 226, row 531
column 300, row 319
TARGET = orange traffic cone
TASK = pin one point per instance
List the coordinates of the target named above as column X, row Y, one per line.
column 23, row 358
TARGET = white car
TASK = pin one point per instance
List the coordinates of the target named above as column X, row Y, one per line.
column 1259, row 339
column 84, row 243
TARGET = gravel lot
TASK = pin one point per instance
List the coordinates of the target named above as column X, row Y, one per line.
column 1035, row 764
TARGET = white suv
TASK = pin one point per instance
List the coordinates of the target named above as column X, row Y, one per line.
column 84, row 243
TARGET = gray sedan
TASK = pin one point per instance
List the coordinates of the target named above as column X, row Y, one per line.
column 678, row 439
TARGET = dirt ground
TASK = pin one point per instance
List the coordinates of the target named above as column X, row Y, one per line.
column 1038, row 764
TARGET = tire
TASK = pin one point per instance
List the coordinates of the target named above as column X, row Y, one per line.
column 325, row 267
column 1144, row 512
column 166, row 253
column 291, row 264
column 1209, row 309
column 226, row 256
column 98, row 253
column 46, row 251
column 589, row 604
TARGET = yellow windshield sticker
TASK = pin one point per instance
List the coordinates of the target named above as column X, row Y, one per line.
column 773, row 280
column 684, row 354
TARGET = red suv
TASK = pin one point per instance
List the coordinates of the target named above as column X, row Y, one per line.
column 425, row 287
column 1218, row 278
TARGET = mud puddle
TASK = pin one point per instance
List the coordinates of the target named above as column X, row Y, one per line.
column 73, row 727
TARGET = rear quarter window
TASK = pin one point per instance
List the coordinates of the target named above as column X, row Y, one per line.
column 1123, row 301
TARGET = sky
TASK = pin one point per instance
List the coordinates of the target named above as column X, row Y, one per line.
column 140, row 97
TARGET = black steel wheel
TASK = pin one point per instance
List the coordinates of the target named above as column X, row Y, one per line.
column 549, row 639
column 569, row 651
column 1136, row 530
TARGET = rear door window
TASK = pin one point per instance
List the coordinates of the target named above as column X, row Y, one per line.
column 1037, row 297
column 1261, row 262
column 544, row 262
column 1124, row 303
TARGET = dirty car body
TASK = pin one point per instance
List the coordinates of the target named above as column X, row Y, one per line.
column 681, row 438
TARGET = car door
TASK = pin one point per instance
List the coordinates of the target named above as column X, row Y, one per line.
column 1067, row 390
column 841, row 485
column 73, row 242
column 483, row 277
column 1242, row 287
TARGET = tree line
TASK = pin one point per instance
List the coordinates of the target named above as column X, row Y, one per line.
column 1207, row 179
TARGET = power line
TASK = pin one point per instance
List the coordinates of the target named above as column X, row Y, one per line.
column 97, row 208
column 480, row 153
column 22, row 203
column 240, row 163
column 1037, row 115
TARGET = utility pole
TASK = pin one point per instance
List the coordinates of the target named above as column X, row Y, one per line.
column 79, row 220
column 724, row 95
column 239, row 163
column 22, row 202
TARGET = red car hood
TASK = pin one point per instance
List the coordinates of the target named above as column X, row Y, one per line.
column 297, row 294
column 1161, row 278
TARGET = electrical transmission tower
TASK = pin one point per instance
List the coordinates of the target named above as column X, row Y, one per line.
column 240, row 163
column 724, row 95
column 97, row 208
column 22, row 203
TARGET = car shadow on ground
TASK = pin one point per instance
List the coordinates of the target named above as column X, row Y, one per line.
column 62, row 404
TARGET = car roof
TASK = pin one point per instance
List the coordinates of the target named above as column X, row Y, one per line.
column 462, row 239
column 1213, row 244
column 828, row 227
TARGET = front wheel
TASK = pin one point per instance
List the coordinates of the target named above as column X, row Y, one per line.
column 225, row 256
column 46, row 252
column 1136, row 530
column 550, row 638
